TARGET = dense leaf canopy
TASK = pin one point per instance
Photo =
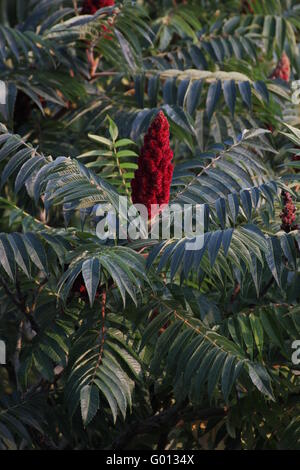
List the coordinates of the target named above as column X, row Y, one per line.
column 143, row 344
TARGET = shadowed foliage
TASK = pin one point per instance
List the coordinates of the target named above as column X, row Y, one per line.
column 125, row 343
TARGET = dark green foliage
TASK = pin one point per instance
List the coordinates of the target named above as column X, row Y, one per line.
column 190, row 349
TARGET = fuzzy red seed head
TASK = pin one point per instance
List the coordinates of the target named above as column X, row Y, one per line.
column 91, row 6
column 152, row 180
column 283, row 69
column 288, row 214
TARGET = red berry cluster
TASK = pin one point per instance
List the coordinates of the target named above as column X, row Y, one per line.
column 91, row 6
column 152, row 180
column 288, row 215
column 282, row 69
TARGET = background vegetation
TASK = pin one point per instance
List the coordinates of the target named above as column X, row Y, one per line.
column 122, row 345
